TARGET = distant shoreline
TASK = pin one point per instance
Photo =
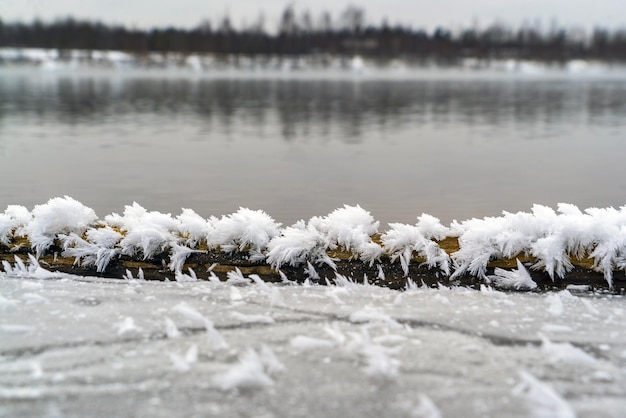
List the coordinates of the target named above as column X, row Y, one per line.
column 295, row 38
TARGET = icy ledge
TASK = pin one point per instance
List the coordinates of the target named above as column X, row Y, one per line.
column 547, row 240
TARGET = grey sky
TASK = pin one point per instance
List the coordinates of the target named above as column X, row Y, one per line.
column 425, row 14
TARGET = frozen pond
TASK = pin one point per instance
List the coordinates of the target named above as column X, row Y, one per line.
column 97, row 347
column 455, row 146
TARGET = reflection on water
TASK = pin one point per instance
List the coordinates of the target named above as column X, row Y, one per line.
column 310, row 107
column 297, row 148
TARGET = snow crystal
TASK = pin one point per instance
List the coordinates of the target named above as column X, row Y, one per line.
column 402, row 240
column 590, row 308
column 148, row 233
column 373, row 315
column 171, row 330
column 555, row 304
column 182, row 277
column 235, row 294
column 335, row 333
column 302, row 342
column 296, row 245
column 552, row 237
column 58, row 216
column 33, row 270
column 241, row 229
column 556, row 328
column 272, row 365
column 127, row 326
column 215, row 338
column 379, row 360
column 425, row 408
column 236, row 278
column 565, row 353
column 12, row 222
column 97, row 250
column 515, row 279
column 34, row 298
column 183, row 363
column 36, row 370
column 543, row 401
column 193, row 227
column 178, row 255
column 350, row 227
column 252, row 319
column 249, row 373
column 311, row 273
column 272, row 292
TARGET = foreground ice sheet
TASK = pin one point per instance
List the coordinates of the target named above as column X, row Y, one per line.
column 72, row 346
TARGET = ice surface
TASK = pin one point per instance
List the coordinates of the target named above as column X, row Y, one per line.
column 100, row 347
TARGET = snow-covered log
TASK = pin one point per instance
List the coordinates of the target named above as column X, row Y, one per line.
column 542, row 249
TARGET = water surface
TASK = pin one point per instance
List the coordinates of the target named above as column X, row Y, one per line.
column 454, row 147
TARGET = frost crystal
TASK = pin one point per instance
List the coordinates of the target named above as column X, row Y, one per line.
column 350, row 227
column 249, row 373
column 253, row 228
column 58, row 216
column 515, row 280
column 402, row 240
column 553, row 238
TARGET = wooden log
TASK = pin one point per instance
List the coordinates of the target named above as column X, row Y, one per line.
column 211, row 263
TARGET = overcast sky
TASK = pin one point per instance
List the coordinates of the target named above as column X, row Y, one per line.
column 425, row 14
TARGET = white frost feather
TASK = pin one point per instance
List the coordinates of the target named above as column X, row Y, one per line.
column 97, row 250
column 514, row 279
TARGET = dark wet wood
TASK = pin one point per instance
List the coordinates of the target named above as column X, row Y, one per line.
column 220, row 264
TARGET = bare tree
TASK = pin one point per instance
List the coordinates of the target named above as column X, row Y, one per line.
column 353, row 18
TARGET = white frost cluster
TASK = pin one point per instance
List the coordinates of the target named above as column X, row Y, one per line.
column 350, row 227
column 58, row 216
column 402, row 240
column 244, row 228
column 551, row 237
column 12, row 222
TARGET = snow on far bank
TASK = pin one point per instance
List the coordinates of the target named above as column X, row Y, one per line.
column 551, row 237
column 53, row 60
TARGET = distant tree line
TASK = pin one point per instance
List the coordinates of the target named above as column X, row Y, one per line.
column 301, row 34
